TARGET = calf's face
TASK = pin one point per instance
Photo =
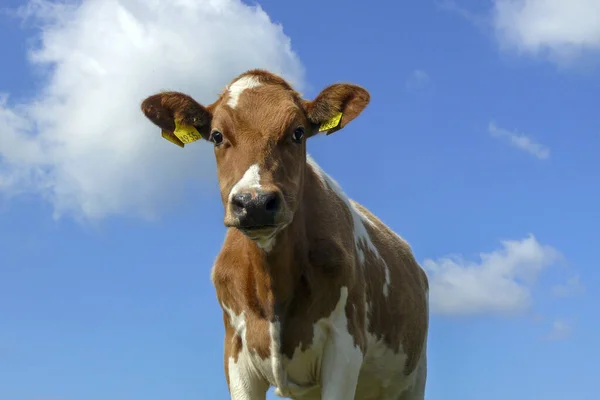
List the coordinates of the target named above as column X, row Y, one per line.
column 259, row 127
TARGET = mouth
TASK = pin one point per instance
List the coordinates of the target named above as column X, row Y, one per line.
column 258, row 232
column 255, row 228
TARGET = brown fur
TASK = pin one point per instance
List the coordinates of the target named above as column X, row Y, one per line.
column 299, row 281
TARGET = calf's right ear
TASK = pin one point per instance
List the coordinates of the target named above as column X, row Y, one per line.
column 182, row 119
column 337, row 105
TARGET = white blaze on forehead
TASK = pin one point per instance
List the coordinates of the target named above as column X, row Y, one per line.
column 250, row 180
column 237, row 88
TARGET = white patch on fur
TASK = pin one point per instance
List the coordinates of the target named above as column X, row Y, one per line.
column 244, row 375
column 361, row 235
column 382, row 373
column 299, row 376
column 308, row 367
column 386, row 269
column 331, row 363
column 360, row 232
column 342, row 360
column 279, row 375
column 237, row 88
column 381, row 376
column 250, row 180
column 267, row 243
column 297, row 379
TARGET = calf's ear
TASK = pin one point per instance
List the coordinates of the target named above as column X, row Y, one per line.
column 182, row 119
column 336, row 106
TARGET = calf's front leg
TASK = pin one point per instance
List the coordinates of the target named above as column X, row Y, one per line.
column 242, row 380
column 243, row 383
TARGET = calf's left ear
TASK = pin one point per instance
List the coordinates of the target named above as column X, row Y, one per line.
column 182, row 119
column 337, row 105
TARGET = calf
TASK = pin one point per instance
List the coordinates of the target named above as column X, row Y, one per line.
column 320, row 298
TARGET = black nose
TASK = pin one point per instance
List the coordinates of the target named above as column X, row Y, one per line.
column 255, row 211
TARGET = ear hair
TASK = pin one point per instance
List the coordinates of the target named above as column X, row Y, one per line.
column 349, row 99
column 168, row 110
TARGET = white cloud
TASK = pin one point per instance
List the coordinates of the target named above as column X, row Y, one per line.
column 561, row 329
column 520, row 141
column 476, row 19
column 561, row 29
column 83, row 142
column 417, row 79
column 571, row 287
column 501, row 282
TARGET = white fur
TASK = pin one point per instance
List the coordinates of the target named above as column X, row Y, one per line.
column 360, row 232
column 361, row 235
column 277, row 367
column 386, row 269
column 332, row 359
column 342, row 360
column 244, row 375
column 238, row 87
column 250, row 180
column 381, row 376
column 268, row 243
column 331, row 368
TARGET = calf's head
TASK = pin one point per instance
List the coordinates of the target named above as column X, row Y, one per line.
column 258, row 126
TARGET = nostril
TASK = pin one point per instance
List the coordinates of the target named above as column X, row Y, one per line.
column 240, row 201
column 272, row 203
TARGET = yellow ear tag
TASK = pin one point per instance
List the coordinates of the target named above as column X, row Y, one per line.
column 186, row 133
column 172, row 138
column 332, row 123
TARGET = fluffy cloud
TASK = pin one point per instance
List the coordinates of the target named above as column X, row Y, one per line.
column 83, row 143
column 561, row 29
column 501, row 282
column 571, row 287
column 520, row 141
column 561, row 329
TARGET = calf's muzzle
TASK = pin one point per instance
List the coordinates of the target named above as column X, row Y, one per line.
column 256, row 210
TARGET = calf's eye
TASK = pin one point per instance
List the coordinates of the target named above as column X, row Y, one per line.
column 298, row 135
column 216, row 137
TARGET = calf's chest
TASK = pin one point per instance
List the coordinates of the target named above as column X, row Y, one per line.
column 285, row 352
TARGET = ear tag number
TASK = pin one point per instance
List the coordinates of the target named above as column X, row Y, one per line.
column 332, row 123
column 186, row 133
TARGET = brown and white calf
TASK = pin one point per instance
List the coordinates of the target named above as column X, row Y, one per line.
column 320, row 298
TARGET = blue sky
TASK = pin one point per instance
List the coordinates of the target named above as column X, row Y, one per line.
column 479, row 147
